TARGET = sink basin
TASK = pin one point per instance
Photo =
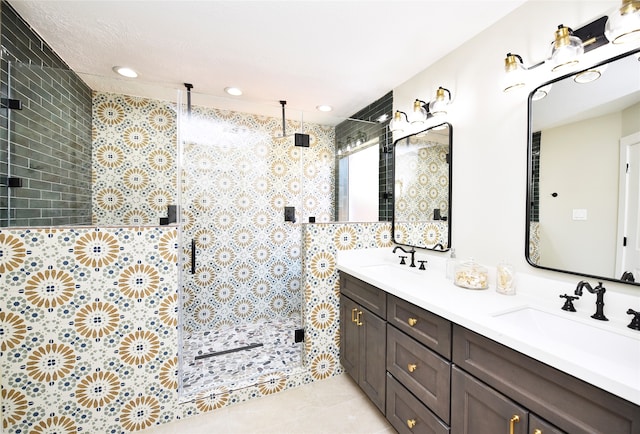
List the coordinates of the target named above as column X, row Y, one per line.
column 589, row 344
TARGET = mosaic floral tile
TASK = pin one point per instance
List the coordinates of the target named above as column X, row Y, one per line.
column 134, row 144
column 82, row 345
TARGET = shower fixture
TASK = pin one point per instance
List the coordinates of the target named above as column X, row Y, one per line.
column 300, row 139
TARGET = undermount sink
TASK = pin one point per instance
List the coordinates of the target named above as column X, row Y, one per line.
column 591, row 343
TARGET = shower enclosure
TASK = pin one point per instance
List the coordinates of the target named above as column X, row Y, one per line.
column 242, row 298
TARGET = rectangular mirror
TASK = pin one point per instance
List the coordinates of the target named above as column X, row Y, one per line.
column 583, row 172
column 422, row 188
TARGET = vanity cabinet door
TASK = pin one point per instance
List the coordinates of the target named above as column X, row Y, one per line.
column 363, row 348
column 349, row 338
column 478, row 409
column 373, row 337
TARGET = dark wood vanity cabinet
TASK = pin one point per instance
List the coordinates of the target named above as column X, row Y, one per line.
column 363, row 336
column 438, row 377
column 543, row 393
column 478, row 409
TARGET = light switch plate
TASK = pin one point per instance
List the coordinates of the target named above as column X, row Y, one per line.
column 579, row 214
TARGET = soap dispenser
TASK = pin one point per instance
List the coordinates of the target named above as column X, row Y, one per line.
column 451, row 264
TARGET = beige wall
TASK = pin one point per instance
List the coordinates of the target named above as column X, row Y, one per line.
column 586, row 179
column 631, row 120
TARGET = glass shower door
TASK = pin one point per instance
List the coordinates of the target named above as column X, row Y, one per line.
column 241, row 291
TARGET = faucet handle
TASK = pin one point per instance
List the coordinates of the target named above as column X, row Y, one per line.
column 635, row 322
column 402, row 260
column 568, row 304
column 422, row 267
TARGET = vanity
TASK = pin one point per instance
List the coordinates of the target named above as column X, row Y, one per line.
column 436, row 358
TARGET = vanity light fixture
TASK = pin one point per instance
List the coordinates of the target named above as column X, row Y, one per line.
column 438, row 106
column 125, row 72
column 623, row 25
column 541, row 92
column 566, row 49
column 398, row 124
column 233, row 91
column 418, row 115
column 591, row 74
column 514, row 73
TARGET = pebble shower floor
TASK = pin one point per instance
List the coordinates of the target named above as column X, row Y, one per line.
column 247, row 366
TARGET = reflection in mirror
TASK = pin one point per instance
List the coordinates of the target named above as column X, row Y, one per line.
column 422, row 189
column 583, row 179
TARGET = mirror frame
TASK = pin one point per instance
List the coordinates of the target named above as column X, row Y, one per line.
column 450, row 190
column 529, row 195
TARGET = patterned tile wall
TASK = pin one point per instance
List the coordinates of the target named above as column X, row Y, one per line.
column 237, row 179
column 134, row 159
column 89, row 326
column 88, row 329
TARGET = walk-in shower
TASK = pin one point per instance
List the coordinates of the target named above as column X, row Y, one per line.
column 241, row 304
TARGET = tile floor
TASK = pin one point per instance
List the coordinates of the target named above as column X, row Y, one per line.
column 277, row 352
column 335, row 405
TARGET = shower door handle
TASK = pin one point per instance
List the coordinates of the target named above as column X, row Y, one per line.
column 193, row 256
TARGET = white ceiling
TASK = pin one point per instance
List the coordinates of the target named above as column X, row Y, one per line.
column 343, row 53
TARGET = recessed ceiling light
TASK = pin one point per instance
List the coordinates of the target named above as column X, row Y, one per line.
column 125, row 72
column 233, row 91
column 324, row 108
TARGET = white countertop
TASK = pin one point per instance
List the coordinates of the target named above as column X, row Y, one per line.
column 479, row 310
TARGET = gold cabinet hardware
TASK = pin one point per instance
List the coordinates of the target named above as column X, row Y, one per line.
column 411, row 367
column 358, row 322
column 537, row 431
column 515, row 418
column 411, row 423
column 412, row 321
column 353, row 314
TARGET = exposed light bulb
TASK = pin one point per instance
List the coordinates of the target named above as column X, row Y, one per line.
column 623, row 25
column 565, row 50
column 514, row 77
column 419, row 115
column 438, row 106
column 398, row 124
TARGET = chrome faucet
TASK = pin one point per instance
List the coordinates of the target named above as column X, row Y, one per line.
column 599, row 292
column 412, row 252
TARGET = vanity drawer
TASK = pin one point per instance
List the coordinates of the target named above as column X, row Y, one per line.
column 407, row 414
column 426, row 327
column 426, row 374
column 570, row 404
column 367, row 296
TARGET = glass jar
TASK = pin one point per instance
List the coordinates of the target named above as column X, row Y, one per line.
column 505, row 279
column 471, row 275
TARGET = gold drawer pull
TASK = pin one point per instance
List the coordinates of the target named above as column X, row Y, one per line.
column 537, row 431
column 353, row 314
column 412, row 321
column 411, row 423
column 411, row 367
column 515, row 418
column 358, row 322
